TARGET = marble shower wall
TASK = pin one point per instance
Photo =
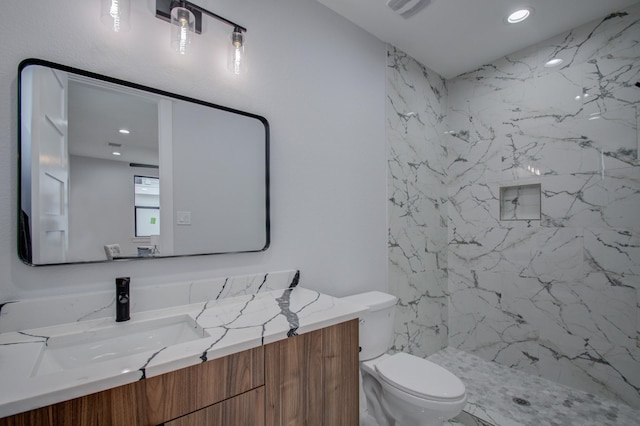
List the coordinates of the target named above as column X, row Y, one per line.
column 557, row 297
column 417, row 156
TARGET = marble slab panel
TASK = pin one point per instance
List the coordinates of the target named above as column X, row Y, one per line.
column 418, row 202
column 556, row 256
column 474, row 203
column 638, row 319
column 614, row 32
column 608, row 137
column 505, row 249
column 592, row 200
column 612, row 258
column 551, row 329
column 506, row 72
column 421, row 312
column 17, row 315
column 472, row 152
column 415, row 200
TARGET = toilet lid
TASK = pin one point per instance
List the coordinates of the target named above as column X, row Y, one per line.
column 420, row 377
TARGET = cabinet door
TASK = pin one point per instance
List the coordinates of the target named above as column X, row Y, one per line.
column 293, row 379
column 246, row 409
column 40, row 416
column 312, row 379
column 340, row 352
column 114, row 407
column 154, row 400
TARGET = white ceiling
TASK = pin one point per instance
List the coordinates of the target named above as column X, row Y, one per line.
column 456, row 36
column 98, row 110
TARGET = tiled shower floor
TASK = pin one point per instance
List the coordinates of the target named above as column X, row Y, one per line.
column 491, row 388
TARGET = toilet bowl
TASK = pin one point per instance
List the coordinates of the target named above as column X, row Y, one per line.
column 401, row 389
column 416, row 391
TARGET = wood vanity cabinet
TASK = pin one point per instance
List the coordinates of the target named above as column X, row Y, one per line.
column 311, row 379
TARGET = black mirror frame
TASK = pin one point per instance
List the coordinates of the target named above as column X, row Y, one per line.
column 24, row 238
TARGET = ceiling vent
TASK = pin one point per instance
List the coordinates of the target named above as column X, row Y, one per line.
column 407, row 8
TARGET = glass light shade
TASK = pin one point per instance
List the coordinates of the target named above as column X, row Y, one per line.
column 182, row 29
column 236, row 59
column 116, row 14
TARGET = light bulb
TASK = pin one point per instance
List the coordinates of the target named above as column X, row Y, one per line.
column 183, row 22
column 116, row 14
column 236, row 61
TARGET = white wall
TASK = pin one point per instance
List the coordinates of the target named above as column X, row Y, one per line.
column 101, row 206
column 318, row 79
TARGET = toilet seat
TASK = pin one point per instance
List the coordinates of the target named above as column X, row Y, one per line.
column 420, row 378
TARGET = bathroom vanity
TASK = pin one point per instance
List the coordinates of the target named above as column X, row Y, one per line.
column 306, row 379
column 287, row 356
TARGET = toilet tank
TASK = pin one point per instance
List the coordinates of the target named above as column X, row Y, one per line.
column 376, row 325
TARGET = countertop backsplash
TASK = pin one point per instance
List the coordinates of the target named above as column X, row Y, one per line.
column 33, row 313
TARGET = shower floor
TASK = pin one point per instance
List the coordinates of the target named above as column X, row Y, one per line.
column 491, row 388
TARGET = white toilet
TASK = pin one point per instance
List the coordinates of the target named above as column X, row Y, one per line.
column 401, row 389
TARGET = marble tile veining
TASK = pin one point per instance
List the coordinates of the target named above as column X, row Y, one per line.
column 416, row 113
column 18, row 315
column 555, row 297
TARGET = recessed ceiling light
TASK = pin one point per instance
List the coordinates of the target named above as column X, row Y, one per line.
column 553, row 62
column 519, row 15
column 116, row 153
column 124, row 131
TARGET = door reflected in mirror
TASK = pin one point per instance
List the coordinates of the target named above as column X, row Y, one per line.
column 108, row 163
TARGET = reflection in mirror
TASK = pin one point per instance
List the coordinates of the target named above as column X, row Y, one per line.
column 115, row 170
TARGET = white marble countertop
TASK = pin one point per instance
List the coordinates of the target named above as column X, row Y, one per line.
column 229, row 325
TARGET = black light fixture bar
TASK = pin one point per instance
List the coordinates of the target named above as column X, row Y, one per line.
column 163, row 11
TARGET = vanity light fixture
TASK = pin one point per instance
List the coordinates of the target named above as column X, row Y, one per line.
column 183, row 22
column 116, row 14
column 236, row 52
column 519, row 15
column 186, row 19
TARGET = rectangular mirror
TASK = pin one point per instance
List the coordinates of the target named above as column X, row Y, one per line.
column 112, row 170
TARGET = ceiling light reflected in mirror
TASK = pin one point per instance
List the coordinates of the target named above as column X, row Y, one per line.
column 519, row 15
column 553, row 62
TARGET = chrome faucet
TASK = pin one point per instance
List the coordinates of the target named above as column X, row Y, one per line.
column 122, row 299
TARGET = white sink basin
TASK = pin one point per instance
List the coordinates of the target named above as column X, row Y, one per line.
column 69, row 351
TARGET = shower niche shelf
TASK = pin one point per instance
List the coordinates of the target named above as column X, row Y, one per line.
column 520, row 202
